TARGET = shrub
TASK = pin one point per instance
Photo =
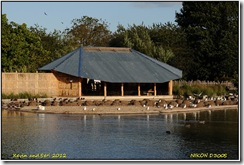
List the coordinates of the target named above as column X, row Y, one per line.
column 210, row 90
column 24, row 95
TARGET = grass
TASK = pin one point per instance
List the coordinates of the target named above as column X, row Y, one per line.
column 189, row 90
column 24, row 95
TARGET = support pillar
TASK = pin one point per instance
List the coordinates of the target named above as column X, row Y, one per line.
column 139, row 89
column 155, row 89
column 170, row 87
column 105, row 89
column 80, row 87
column 122, row 89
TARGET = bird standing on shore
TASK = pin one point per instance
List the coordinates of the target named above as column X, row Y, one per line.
column 84, row 108
column 40, row 107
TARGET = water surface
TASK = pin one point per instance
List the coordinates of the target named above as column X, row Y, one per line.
column 134, row 137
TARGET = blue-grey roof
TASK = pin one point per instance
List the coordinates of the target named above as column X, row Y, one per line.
column 114, row 65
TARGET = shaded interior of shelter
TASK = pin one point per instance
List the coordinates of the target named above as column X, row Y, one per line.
column 93, row 88
column 75, row 86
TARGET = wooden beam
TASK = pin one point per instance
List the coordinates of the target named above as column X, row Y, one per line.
column 170, row 87
column 155, row 89
column 105, row 89
column 80, row 87
column 122, row 89
column 139, row 89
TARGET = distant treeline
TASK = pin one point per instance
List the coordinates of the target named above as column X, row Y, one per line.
column 203, row 43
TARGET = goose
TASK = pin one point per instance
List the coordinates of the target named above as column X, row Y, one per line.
column 168, row 132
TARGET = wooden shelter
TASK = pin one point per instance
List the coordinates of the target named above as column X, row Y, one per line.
column 109, row 71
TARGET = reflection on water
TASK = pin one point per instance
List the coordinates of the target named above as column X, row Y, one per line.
column 121, row 136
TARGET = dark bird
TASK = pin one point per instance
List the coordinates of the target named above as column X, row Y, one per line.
column 168, row 132
column 62, row 23
column 45, row 13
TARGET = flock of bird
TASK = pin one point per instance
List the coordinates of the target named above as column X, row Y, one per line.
column 147, row 105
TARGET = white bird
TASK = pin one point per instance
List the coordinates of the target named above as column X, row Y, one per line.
column 198, row 95
column 187, row 125
column 193, row 105
column 40, row 107
column 184, row 106
column 118, row 109
column 165, row 105
column 171, row 106
column 201, row 122
column 209, row 106
column 93, row 109
column 84, row 108
column 148, row 108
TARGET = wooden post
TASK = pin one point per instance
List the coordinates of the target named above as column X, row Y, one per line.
column 122, row 89
column 139, row 89
column 170, row 87
column 105, row 89
column 155, row 89
column 80, row 87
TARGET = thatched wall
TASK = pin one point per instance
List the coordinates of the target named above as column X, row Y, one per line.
column 34, row 83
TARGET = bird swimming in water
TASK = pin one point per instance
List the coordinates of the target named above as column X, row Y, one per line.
column 168, row 132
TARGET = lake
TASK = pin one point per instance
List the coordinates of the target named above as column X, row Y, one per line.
column 205, row 135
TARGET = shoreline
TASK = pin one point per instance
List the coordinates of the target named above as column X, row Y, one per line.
column 113, row 110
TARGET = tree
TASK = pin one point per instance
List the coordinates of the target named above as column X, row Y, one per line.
column 22, row 50
column 138, row 38
column 56, row 43
column 212, row 35
column 172, row 37
column 88, row 31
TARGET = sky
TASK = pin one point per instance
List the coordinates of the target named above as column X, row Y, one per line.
column 58, row 15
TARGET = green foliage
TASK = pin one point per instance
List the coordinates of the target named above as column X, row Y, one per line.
column 139, row 38
column 189, row 90
column 22, row 50
column 24, row 95
column 55, row 43
column 88, row 31
column 211, row 30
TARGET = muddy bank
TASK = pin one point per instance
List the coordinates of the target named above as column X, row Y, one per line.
column 117, row 106
column 108, row 110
